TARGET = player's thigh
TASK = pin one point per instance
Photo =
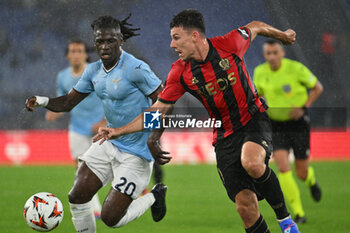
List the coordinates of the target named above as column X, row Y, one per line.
column 280, row 156
column 131, row 174
column 228, row 156
column 253, row 154
column 78, row 144
column 86, row 184
column 257, row 144
column 114, row 207
column 94, row 172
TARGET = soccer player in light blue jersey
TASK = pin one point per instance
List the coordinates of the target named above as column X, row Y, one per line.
column 126, row 86
column 87, row 116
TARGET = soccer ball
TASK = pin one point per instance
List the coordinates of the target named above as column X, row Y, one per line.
column 43, row 211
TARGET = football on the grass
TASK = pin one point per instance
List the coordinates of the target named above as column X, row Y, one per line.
column 43, row 211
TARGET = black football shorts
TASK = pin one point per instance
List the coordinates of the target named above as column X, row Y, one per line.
column 228, row 154
column 292, row 135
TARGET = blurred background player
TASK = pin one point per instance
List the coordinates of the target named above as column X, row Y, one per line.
column 285, row 84
column 87, row 116
column 126, row 86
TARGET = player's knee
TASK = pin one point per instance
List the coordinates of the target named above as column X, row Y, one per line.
column 109, row 219
column 78, row 197
column 72, row 197
column 254, row 168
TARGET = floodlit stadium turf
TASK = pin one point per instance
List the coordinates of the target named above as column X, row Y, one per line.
column 197, row 201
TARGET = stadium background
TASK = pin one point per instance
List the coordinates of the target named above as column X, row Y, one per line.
column 33, row 36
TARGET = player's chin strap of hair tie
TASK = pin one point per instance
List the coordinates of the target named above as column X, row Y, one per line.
column 42, row 100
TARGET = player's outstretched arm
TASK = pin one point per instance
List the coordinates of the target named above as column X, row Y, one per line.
column 153, row 141
column 63, row 103
column 262, row 29
column 154, row 146
column 106, row 133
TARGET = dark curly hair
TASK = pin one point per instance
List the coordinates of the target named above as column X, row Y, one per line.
column 189, row 18
column 110, row 22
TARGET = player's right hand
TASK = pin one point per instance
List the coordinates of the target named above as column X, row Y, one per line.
column 289, row 37
column 31, row 103
column 106, row 133
column 158, row 154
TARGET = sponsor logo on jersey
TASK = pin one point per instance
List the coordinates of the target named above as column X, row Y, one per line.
column 211, row 88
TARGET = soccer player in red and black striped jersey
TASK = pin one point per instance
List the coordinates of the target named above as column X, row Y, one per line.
column 213, row 70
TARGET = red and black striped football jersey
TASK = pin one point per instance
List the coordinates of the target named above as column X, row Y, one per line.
column 221, row 83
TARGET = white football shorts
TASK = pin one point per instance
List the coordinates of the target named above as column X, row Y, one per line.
column 78, row 144
column 129, row 173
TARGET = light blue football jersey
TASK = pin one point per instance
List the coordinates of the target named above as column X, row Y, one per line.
column 87, row 113
column 124, row 92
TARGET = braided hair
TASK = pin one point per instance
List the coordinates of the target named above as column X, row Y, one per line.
column 110, row 22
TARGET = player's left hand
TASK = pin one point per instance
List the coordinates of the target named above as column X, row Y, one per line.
column 158, row 154
column 106, row 133
column 296, row 113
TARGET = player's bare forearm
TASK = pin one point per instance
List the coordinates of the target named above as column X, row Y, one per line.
column 106, row 133
column 262, row 29
column 154, row 144
column 314, row 94
column 66, row 102
column 63, row 103
column 157, row 133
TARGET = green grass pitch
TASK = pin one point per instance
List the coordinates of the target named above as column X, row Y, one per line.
column 197, row 201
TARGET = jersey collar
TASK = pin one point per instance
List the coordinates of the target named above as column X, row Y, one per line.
column 115, row 65
column 209, row 55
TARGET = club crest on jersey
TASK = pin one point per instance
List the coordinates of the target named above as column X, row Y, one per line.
column 194, row 80
column 225, row 64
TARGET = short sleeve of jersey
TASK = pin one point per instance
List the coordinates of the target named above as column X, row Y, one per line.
column 84, row 85
column 145, row 79
column 59, row 85
column 236, row 41
column 305, row 76
column 173, row 89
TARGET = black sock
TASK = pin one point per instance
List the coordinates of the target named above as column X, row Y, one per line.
column 158, row 173
column 269, row 186
column 259, row 226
